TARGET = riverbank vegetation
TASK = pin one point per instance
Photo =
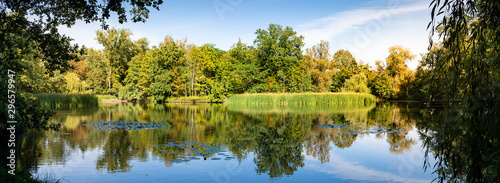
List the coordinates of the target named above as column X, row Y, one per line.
column 302, row 98
column 132, row 70
column 300, row 109
column 57, row 100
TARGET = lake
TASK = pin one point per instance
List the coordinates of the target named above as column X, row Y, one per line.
column 232, row 143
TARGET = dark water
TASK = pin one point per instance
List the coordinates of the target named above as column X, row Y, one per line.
column 235, row 143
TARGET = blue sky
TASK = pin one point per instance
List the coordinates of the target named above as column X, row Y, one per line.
column 367, row 28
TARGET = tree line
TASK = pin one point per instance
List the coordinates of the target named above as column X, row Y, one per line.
column 275, row 63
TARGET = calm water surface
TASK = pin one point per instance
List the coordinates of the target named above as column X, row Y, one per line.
column 233, row 143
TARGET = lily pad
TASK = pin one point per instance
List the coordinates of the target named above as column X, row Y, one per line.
column 132, row 125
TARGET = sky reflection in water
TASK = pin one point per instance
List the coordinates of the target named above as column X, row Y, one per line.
column 263, row 142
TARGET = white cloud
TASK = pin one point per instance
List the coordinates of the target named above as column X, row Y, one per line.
column 354, row 171
column 369, row 32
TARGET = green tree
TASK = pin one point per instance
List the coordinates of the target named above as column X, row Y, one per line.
column 382, row 86
column 279, row 52
column 131, row 90
column 245, row 71
column 54, row 13
column 158, row 70
column 357, row 83
column 427, row 83
column 193, row 67
column 74, row 84
column 210, row 57
column 119, row 50
column 215, row 68
column 346, row 66
column 99, row 69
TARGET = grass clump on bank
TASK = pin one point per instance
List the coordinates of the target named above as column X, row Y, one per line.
column 106, row 97
column 302, row 98
column 57, row 100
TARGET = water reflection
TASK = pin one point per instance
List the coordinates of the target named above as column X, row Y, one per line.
column 118, row 150
column 277, row 139
column 279, row 147
column 465, row 151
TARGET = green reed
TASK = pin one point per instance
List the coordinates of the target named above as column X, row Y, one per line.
column 302, row 98
column 66, row 100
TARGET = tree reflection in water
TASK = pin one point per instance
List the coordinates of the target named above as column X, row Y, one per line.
column 279, row 148
column 466, row 152
column 279, row 137
column 117, row 153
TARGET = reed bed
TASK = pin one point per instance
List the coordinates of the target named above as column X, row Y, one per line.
column 57, row 100
column 302, row 98
column 106, row 97
column 190, row 99
column 299, row 109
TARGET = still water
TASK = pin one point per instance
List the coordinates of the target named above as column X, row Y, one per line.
column 233, row 143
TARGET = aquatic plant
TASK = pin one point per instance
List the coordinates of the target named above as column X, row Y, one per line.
column 57, row 100
column 302, row 98
column 133, row 125
column 187, row 151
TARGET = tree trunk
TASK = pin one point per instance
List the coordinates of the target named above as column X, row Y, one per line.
column 109, row 79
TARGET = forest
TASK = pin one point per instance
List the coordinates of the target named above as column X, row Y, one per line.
column 276, row 62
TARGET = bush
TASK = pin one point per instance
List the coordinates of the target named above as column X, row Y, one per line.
column 113, row 92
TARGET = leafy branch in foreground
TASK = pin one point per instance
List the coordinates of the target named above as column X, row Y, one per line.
column 466, row 142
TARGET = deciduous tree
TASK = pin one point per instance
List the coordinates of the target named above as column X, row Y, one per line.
column 279, row 52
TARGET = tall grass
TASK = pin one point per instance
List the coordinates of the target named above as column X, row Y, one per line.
column 299, row 109
column 58, row 100
column 106, row 97
column 302, row 98
column 190, row 99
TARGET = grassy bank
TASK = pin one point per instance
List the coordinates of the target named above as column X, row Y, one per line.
column 302, row 98
column 66, row 100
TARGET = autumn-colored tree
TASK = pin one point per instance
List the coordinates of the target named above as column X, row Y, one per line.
column 318, row 62
column 398, row 69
